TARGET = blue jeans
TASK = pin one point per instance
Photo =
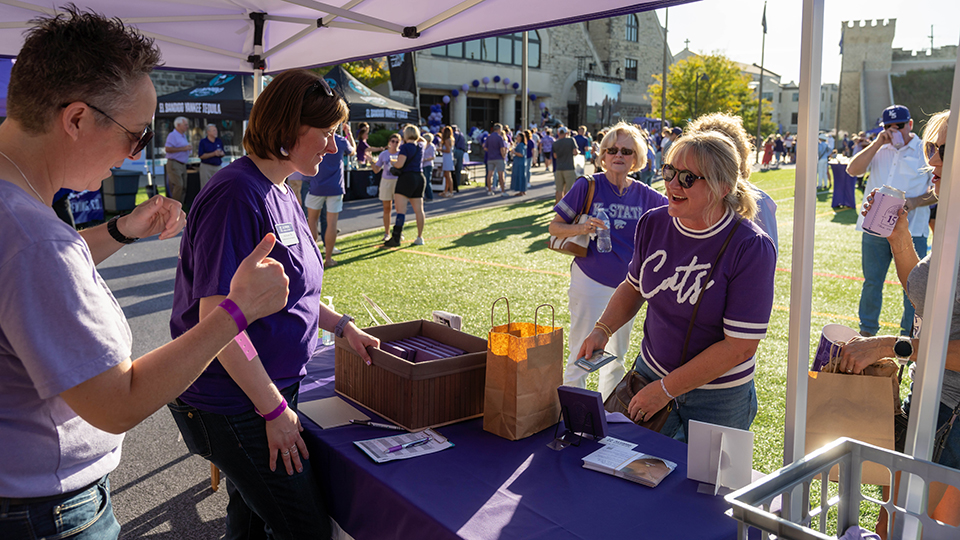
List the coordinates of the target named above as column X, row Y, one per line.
column 87, row 515
column 876, row 257
column 951, row 451
column 733, row 407
column 263, row 503
column 428, row 189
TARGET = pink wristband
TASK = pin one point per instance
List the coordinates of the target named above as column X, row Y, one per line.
column 243, row 340
column 276, row 412
column 235, row 312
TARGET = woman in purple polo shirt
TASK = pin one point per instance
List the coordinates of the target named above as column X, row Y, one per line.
column 241, row 412
column 594, row 278
column 676, row 247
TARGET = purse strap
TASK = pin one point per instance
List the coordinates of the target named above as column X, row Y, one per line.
column 696, row 307
column 591, row 188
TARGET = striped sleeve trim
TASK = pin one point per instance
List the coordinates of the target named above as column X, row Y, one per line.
column 737, row 375
column 635, row 283
column 564, row 209
column 744, row 330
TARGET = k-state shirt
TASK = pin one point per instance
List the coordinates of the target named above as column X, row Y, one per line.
column 669, row 266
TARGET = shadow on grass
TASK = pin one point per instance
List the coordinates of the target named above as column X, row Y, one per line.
column 845, row 216
column 529, row 226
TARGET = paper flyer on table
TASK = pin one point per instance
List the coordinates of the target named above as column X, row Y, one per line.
column 377, row 449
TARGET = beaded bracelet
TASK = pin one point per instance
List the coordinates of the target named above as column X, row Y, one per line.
column 275, row 413
column 664, row 387
column 604, row 328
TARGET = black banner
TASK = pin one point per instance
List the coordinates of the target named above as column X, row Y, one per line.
column 401, row 72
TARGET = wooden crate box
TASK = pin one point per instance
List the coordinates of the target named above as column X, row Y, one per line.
column 415, row 395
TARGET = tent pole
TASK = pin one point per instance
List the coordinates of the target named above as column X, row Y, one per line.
column 524, row 83
column 938, row 307
column 801, row 277
column 663, row 80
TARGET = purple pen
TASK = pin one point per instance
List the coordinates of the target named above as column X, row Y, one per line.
column 417, row 442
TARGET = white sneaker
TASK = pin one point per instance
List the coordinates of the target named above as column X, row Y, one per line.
column 335, row 251
column 419, row 241
column 386, row 236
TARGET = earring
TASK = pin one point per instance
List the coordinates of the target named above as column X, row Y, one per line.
column 283, row 152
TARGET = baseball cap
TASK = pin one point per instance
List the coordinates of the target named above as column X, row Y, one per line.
column 676, row 131
column 823, row 136
column 563, row 129
column 895, row 114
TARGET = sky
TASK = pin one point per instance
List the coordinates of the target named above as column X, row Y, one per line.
column 732, row 27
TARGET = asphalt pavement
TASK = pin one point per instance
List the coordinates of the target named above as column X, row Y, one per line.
column 161, row 491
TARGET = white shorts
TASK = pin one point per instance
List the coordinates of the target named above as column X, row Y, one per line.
column 334, row 203
column 387, row 187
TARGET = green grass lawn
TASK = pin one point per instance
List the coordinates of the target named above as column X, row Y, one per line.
column 473, row 258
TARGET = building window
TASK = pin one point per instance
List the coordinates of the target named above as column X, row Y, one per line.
column 821, row 116
column 501, row 50
column 793, row 118
column 779, row 98
column 630, row 69
column 768, row 96
column 633, row 27
column 795, row 97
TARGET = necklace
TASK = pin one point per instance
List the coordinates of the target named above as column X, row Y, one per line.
column 23, row 175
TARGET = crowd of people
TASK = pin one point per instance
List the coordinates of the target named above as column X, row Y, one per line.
column 700, row 258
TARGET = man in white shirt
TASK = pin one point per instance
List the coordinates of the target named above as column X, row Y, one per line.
column 895, row 159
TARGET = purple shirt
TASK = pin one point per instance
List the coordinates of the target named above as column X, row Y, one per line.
column 362, row 147
column 329, row 179
column 383, row 161
column 206, row 146
column 547, row 143
column 493, row 145
column 624, row 212
column 668, row 265
column 176, row 140
column 60, row 326
column 414, row 154
column 227, row 220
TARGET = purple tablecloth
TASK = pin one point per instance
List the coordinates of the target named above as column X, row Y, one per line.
column 489, row 487
column 844, row 187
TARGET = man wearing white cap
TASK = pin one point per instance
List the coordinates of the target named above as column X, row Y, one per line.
column 823, row 153
column 894, row 159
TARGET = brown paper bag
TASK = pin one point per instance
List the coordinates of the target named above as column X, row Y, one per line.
column 524, row 369
column 856, row 406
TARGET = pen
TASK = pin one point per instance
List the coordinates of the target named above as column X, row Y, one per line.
column 399, row 447
column 376, row 424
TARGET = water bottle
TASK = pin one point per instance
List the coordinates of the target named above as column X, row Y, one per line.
column 326, row 337
column 604, row 243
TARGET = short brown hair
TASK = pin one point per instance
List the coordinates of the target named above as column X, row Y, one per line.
column 76, row 56
column 294, row 99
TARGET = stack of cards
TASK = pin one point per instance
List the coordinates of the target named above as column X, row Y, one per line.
column 420, row 349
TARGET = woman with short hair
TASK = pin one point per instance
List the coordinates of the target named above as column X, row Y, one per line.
column 68, row 386
column 410, row 185
column 241, row 413
column 702, row 244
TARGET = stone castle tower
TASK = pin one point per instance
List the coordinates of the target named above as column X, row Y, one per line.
column 865, row 88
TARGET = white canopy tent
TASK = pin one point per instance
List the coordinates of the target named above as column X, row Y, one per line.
column 275, row 35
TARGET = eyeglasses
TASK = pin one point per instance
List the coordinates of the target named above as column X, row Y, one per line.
column 899, row 125
column 684, row 178
column 317, row 85
column 612, row 151
column 933, row 148
column 142, row 139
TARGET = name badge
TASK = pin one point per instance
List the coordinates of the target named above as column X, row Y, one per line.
column 286, row 234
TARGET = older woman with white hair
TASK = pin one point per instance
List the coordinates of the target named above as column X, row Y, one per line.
column 594, row 278
column 706, row 273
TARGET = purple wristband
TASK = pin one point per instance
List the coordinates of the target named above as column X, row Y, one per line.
column 276, row 412
column 235, row 312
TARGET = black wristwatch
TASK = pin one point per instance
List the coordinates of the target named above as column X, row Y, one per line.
column 116, row 234
column 903, row 348
column 341, row 324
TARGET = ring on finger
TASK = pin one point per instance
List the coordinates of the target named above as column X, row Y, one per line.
column 286, row 452
column 294, row 449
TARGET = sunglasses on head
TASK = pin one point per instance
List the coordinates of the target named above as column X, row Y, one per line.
column 320, row 84
column 684, row 178
column 933, row 148
column 141, row 138
column 612, row 151
column 899, row 125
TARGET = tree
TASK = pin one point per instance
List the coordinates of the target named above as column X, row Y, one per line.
column 371, row 72
column 749, row 115
column 709, row 83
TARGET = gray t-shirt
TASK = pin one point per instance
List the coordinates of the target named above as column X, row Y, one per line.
column 563, row 150
column 916, row 291
column 59, row 326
